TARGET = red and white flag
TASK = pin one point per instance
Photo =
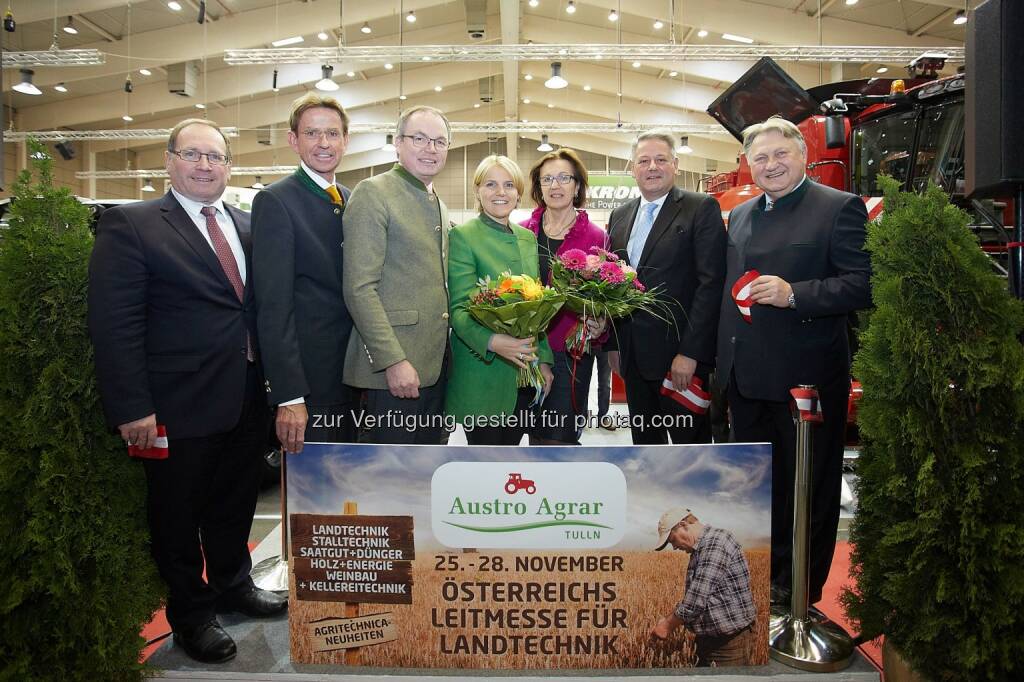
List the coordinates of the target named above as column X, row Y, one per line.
column 693, row 397
column 807, row 404
column 157, row 451
column 741, row 293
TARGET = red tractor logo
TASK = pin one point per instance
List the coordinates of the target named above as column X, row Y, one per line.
column 516, row 482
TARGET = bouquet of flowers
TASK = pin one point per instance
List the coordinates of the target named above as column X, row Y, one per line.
column 520, row 306
column 599, row 284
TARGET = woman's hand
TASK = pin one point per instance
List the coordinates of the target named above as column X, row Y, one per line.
column 549, row 377
column 516, row 351
column 596, row 327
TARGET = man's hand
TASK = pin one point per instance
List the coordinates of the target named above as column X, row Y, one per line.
column 290, row 425
column 682, row 371
column 403, row 380
column 662, row 630
column 549, row 377
column 771, row 290
column 141, row 432
column 613, row 362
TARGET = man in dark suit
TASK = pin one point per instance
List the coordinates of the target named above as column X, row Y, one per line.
column 174, row 333
column 803, row 246
column 297, row 245
column 676, row 241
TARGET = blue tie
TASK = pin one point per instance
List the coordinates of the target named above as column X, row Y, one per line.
column 635, row 247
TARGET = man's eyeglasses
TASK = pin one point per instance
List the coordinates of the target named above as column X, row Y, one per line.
column 561, row 178
column 193, row 156
column 421, row 141
column 314, row 134
column 659, row 161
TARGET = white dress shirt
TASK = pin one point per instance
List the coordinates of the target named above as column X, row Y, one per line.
column 227, row 226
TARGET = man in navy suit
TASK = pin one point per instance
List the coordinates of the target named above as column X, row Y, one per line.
column 676, row 241
column 296, row 250
column 172, row 324
column 801, row 245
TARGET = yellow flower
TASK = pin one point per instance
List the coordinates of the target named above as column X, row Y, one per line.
column 532, row 289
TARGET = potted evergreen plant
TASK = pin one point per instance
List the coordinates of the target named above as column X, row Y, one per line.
column 78, row 580
column 938, row 539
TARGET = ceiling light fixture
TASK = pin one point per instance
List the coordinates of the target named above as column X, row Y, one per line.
column 389, row 143
column 544, row 145
column 403, row 97
column 322, row 35
column 366, row 28
column 586, row 88
column 200, row 105
column 145, row 72
column 285, row 42
column 273, row 82
column 852, row 2
column 684, row 145
column 526, row 100
column 528, row 77
column 351, row 74
column 550, row 105
column 26, row 87
column 326, row 83
column 961, row 18
column 176, row 6
column 411, row 17
column 556, row 82
column 673, row 74
column 476, row 105
column 60, row 87
column 702, row 33
column 258, row 184
column 437, row 88
column 658, row 24
column 70, row 27
column 636, row 65
column 533, row 3
column 737, row 39
column 147, row 185
column 882, row 69
column 613, row 16
column 570, row 8
column 389, row 66
column 127, row 118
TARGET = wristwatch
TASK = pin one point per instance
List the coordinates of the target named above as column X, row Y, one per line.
column 792, row 301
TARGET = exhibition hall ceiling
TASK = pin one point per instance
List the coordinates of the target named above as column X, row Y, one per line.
column 151, row 35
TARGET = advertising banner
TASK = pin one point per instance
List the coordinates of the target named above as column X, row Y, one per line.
column 608, row 192
column 529, row 558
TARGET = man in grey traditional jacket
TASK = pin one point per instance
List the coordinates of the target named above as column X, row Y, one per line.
column 395, row 285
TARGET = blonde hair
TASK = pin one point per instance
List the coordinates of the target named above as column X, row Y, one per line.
column 506, row 164
column 777, row 124
column 313, row 100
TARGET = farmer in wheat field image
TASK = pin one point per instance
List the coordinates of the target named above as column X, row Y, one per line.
column 717, row 604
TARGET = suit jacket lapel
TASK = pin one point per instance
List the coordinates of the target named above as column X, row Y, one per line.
column 666, row 217
column 177, row 218
column 620, row 236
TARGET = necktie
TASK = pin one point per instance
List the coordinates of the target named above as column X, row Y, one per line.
column 227, row 261
column 635, row 247
column 335, row 194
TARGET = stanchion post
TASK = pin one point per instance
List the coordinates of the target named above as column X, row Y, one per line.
column 793, row 638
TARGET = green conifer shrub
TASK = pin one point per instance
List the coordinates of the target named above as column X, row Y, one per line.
column 938, row 557
column 78, row 580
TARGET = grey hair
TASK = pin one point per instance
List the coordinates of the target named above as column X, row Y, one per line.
column 777, row 124
column 404, row 117
column 662, row 134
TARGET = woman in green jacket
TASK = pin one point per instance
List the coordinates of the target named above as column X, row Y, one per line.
column 482, row 393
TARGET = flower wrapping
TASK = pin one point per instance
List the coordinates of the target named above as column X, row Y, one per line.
column 520, row 306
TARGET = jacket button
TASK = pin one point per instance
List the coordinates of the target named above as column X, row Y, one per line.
column 337, row 211
column 437, row 229
column 444, row 316
column 732, row 339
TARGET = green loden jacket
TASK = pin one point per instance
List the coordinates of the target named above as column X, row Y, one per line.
column 481, row 382
column 395, row 279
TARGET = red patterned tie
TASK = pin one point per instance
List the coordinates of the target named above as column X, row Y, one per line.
column 227, row 261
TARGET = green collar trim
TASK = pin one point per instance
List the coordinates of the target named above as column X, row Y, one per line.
column 494, row 224
column 307, row 182
column 409, row 177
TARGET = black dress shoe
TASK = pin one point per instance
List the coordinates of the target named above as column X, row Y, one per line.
column 207, row 643
column 253, row 602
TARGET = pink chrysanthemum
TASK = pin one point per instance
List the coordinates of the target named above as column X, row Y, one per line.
column 593, row 263
column 610, row 272
column 574, row 259
column 638, row 286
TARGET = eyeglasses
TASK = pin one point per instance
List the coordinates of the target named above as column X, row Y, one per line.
column 314, row 134
column 421, row 141
column 561, row 178
column 193, row 156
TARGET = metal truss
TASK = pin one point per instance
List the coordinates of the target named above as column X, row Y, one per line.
column 54, row 58
column 586, row 52
column 160, row 173
column 126, row 134
column 499, row 128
